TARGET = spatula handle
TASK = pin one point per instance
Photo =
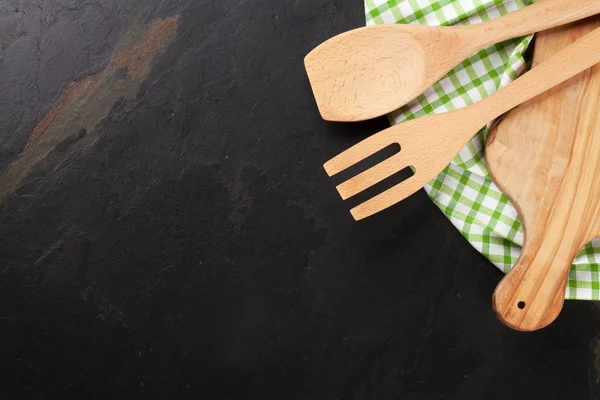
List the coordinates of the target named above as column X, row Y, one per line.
column 563, row 65
column 544, row 14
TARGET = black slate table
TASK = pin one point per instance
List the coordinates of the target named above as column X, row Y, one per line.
column 168, row 231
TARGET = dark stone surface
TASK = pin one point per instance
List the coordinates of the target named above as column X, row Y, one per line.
column 169, row 232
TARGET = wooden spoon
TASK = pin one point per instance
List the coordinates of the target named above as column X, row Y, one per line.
column 545, row 155
column 370, row 71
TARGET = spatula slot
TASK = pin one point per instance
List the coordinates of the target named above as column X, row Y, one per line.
column 397, row 178
column 368, row 162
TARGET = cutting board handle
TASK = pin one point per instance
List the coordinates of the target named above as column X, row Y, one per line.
column 531, row 296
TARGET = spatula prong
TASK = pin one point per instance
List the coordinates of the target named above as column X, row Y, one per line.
column 388, row 198
column 358, row 152
column 372, row 176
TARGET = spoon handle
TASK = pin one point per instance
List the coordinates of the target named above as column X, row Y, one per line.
column 545, row 14
column 576, row 58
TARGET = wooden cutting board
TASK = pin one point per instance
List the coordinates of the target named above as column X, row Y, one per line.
column 545, row 156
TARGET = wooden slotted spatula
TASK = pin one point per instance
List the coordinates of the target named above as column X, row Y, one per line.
column 428, row 144
column 371, row 71
column 545, row 155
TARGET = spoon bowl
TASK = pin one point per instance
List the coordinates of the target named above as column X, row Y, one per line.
column 338, row 68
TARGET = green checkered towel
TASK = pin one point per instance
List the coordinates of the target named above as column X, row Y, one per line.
column 464, row 191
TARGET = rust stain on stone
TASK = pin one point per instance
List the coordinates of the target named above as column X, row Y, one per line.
column 72, row 93
column 136, row 59
column 83, row 105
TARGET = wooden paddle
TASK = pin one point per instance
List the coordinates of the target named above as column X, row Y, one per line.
column 370, row 71
column 545, row 156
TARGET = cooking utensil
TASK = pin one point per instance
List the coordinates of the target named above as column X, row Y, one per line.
column 545, row 155
column 370, row 71
column 428, row 144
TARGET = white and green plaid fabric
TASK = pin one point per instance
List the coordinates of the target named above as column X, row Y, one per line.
column 464, row 191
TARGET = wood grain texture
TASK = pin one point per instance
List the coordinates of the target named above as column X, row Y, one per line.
column 371, row 71
column 430, row 143
column 545, row 156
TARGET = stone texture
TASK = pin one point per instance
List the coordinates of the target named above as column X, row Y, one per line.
column 178, row 238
